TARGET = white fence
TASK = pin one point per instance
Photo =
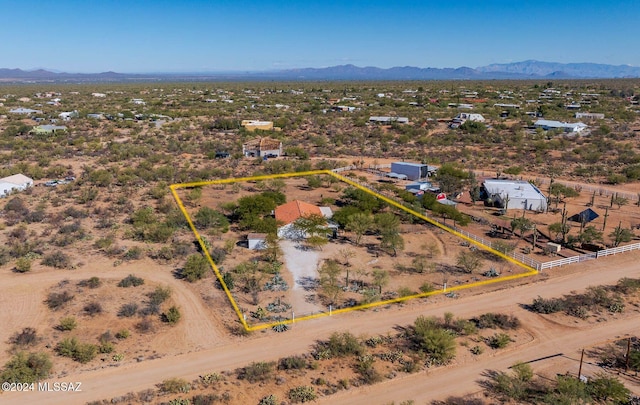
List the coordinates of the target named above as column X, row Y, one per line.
column 515, row 255
column 619, row 249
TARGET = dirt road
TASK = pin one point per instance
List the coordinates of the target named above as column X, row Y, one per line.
column 549, row 339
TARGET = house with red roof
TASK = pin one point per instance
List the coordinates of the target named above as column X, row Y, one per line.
column 287, row 214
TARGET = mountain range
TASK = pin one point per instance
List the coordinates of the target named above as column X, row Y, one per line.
column 529, row 69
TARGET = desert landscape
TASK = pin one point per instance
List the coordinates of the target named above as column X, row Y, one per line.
column 105, row 281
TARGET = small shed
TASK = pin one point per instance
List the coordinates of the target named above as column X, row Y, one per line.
column 257, row 241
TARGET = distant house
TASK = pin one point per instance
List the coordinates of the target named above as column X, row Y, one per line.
column 463, row 117
column 504, row 105
column 565, row 126
column 513, row 194
column 99, row 95
column 287, row 214
column 97, row 116
column 66, row 116
column 388, row 120
column 257, row 241
column 48, row 129
column 17, row 182
column 21, row 110
column 590, row 116
column 262, row 147
column 252, row 125
column 138, row 101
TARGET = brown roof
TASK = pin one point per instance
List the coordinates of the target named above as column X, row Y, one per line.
column 259, row 236
column 291, row 211
column 263, row 144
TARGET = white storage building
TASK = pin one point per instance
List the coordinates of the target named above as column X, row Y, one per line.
column 17, row 182
column 517, row 194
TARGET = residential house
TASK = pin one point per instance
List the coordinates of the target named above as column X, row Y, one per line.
column 287, row 214
column 67, row 115
column 564, row 126
column 464, row 117
column 262, row 147
column 48, row 129
column 21, row 110
column 388, row 120
column 17, row 182
column 590, row 116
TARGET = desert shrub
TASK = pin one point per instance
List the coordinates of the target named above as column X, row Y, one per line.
column 342, row 344
column 150, row 309
column 209, row 218
column 85, row 352
column 427, row 287
column 165, row 253
column 476, row 350
column 134, row 253
column 292, row 363
column 35, row 216
column 172, row 316
column 145, row 325
column 368, row 373
column 175, row 386
column 547, row 306
column 57, row 259
column 67, row 323
column 75, row 213
column 269, row 400
column 93, row 282
column 218, row 255
column 106, row 347
column 26, row 368
column 56, row 301
column 492, row 320
column 405, row 292
column 27, row 337
column 607, row 389
column 302, row 393
column 498, row 340
column 628, row 285
column 23, row 265
column 159, row 295
column 80, row 352
column 122, row 334
column 257, row 371
column 195, row 268
column 93, row 308
column 131, row 281
column 434, row 340
column 128, row 310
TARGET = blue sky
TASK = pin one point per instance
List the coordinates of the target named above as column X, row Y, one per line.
column 249, row 35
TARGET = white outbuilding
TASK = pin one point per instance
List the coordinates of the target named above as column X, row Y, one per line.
column 17, row 182
column 515, row 194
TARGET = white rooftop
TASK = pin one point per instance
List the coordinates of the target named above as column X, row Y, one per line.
column 513, row 188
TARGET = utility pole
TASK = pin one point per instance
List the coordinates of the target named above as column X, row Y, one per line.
column 580, row 368
column 626, row 363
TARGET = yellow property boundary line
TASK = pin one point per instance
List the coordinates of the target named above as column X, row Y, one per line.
column 174, row 187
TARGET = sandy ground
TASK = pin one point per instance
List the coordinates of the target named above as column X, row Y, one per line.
column 549, row 338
